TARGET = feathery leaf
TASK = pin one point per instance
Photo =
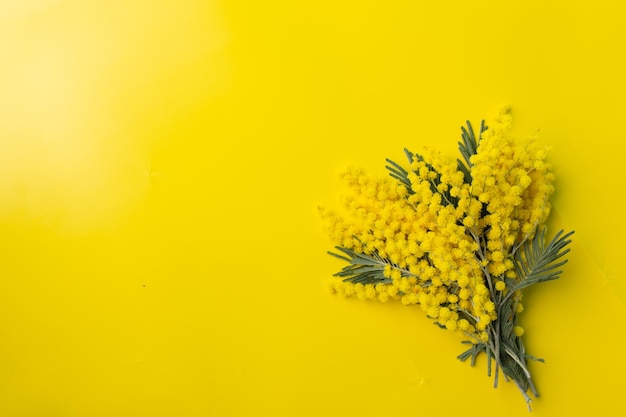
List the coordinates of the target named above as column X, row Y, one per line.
column 536, row 262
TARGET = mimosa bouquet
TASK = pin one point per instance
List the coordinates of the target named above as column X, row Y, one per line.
column 460, row 238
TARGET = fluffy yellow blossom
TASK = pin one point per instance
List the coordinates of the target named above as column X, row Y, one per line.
column 445, row 234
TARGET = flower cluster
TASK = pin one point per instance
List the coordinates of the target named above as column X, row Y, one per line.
column 459, row 239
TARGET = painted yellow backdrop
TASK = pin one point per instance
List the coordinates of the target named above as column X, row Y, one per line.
column 160, row 165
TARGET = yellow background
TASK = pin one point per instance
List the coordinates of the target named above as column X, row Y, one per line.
column 160, row 166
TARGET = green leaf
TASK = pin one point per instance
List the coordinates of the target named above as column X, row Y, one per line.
column 399, row 173
column 402, row 176
column 362, row 268
column 343, row 258
column 534, row 358
column 537, row 262
column 468, row 147
column 472, row 352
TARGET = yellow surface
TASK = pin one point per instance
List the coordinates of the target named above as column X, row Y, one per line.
column 160, row 165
